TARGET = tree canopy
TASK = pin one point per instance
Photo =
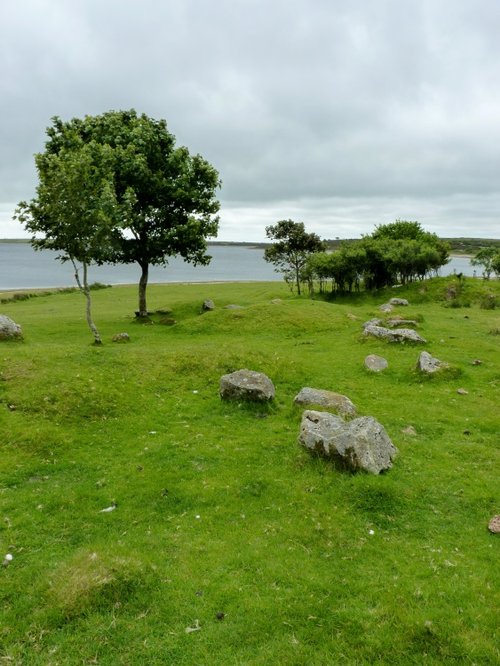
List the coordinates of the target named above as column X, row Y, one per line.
column 291, row 249
column 394, row 253
column 164, row 199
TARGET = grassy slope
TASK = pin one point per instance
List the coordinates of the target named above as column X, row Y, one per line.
column 218, row 509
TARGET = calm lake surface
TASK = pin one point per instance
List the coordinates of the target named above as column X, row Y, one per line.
column 23, row 268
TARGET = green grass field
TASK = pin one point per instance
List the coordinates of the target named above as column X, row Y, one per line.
column 229, row 544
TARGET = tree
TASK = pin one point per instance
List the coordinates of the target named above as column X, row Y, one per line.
column 292, row 248
column 486, row 257
column 165, row 197
column 495, row 264
column 75, row 209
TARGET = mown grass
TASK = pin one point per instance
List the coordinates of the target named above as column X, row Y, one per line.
column 218, row 511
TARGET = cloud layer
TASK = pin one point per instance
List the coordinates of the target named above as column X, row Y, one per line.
column 343, row 115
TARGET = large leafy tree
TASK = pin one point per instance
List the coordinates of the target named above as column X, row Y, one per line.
column 166, row 201
column 291, row 249
column 75, row 209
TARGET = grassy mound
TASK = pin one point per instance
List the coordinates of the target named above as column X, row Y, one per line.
column 226, row 542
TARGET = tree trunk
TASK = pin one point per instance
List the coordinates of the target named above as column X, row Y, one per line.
column 297, row 278
column 86, row 291
column 143, row 283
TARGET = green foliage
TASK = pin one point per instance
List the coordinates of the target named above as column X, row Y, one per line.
column 400, row 252
column 291, row 249
column 218, row 510
column 489, row 259
column 115, row 188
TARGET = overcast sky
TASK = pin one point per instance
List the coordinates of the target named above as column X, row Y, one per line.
column 342, row 114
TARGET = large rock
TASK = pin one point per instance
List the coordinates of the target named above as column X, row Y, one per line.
column 246, row 385
column 428, row 364
column 361, row 444
column 375, row 363
column 336, row 401
column 9, row 329
column 395, row 335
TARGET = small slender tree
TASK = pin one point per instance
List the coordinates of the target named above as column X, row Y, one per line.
column 291, row 249
column 486, row 258
column 75, row 209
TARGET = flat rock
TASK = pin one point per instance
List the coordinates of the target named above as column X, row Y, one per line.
column 428, row 364
column 394, row 335
column 318, row 397
column 462, row 391
column 386, row 307
column 392, row 323
column 361, row 444
column 246, row 385
column 376, row 363
column 233, row 306
column 9, row 329
column 398, row 301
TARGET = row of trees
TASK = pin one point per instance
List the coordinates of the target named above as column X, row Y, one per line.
column 400, row 252
column 115, row 188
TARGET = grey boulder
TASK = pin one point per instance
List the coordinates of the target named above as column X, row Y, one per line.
column 359, row 445
column 9, row 329
column 246, row 385
column 395, row 335
column 428, row 364
column 207, row 305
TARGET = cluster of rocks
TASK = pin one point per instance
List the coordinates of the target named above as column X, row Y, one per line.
column 356, row 443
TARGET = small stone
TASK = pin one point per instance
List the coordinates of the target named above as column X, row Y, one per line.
column 476, row 361
column 494, row 525
column 467, row 432
column 220, row 615
column 462, row 391
column 409, row 430
column 375, row 363
column 207, row 305
column 121, row 337
column 428, row 364
column 398, row 301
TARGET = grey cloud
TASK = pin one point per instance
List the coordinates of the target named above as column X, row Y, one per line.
column 317, row 100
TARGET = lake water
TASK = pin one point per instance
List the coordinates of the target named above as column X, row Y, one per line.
column 23, row 268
